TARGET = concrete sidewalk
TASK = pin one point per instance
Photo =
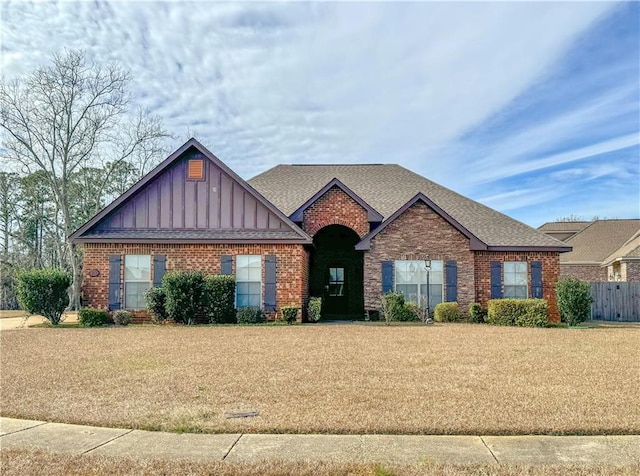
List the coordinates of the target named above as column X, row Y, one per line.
column 528, row 450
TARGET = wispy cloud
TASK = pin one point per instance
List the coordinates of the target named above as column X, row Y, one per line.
column 426, row 85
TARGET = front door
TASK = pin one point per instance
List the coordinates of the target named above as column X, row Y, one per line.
column 336, row 291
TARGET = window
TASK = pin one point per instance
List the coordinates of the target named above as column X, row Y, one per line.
column 515, row 279
column 336, row 281
column 248, row 281
column 411, row 280
column 195, row 169
column 137, row 279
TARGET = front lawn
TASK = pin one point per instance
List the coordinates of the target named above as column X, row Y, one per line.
column 441, row 379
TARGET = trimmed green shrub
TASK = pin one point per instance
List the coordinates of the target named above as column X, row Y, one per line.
column 156, row 300
column 185, row 292
column 574, row 300
column 447, row 312
column 413, row 312
column 394, row 308
column 289, row 314
column 314, row 309
column 517, row 312
column 44, row 292
column 249, row 315
column 476, row 313
column 219, row 299
column 121, row 317
column 90, row 317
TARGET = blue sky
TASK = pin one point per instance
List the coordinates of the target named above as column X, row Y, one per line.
column 530, row 108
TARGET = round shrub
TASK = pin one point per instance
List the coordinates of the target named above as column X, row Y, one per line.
column 413, row 312
column 574, row 300
column 90, row 317
column 44, row 292
column 447, row 312
column 122, row 317
column 249, row 315
column 314, row 309
column 289, row 314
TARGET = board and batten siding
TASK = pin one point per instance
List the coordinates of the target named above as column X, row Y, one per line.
column 171, row 201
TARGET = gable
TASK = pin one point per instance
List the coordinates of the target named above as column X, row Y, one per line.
column 191, row 196
column 419, row 201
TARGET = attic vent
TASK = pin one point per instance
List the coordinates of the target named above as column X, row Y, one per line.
column 196, row 169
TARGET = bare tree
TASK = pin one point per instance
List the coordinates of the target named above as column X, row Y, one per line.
column 73, row 115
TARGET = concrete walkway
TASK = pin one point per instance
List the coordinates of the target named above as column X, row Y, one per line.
column 534, row 450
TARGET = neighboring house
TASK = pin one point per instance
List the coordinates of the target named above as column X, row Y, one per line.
column 348, row 233
column 563, row 230
column 624, row 263
column 602, row 251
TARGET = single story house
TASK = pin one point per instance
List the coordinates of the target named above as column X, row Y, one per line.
column 347, row 233
column 602, row 250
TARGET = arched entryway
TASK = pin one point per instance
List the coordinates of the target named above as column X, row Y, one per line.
column 336, row 272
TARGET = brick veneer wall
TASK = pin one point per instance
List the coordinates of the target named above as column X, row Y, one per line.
column 419, row 233
column 291, row 265
column 335, row 207
column 550, row 274
column 584, row 272
column 632, row 271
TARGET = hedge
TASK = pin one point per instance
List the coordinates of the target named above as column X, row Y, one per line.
column 517, row 312
column 219, row 299
column 185, row 291
column 90, row 317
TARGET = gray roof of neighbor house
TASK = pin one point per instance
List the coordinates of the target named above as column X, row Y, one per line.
column 630, row 250
column 599, row 240
column 387, row 187
column 564, row 226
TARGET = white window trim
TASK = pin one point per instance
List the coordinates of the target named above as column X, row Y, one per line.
column 395, row 283
column 125, row 281
column 504, row 272
column 260, row 305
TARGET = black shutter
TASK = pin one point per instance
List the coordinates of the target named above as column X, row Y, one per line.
column 159, row 268
column 496, row 280
column 226, row 265
column 115, row 265
column 270, row 283
column 536, row 279
column 451, row 272
column 387, row 276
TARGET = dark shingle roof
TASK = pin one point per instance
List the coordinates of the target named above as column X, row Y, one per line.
column 387, row 187
column 195, row 235
column 567, row 226
column 599, row 240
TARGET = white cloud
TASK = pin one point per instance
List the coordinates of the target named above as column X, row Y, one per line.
column 269, row 83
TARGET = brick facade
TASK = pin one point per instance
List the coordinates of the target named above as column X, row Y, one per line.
column 584, row 272
column 291, row 266
column 335, row 207
column 550, row 274
column 632, row 271
column 419, row 233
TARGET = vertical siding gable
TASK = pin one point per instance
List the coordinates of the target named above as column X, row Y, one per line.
column 171, row 201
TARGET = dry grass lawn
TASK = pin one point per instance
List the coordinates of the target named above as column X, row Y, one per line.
column 21, row 462
column 442, row 379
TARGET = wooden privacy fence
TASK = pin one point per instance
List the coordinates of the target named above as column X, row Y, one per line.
column 616, row 301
